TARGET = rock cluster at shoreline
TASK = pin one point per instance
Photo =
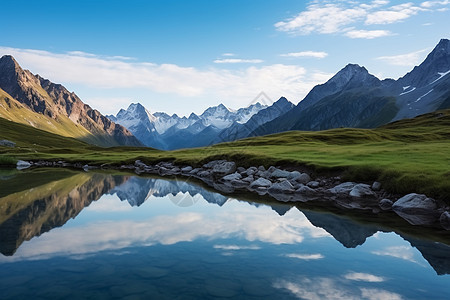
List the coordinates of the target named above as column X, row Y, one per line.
column 294, row 186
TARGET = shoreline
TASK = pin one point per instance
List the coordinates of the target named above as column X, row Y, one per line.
column 291, row 187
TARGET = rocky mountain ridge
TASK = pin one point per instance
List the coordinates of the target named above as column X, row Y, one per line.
column 56, row 103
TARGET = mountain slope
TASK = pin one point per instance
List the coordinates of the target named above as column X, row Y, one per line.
column 57, row 103
column 238, row 131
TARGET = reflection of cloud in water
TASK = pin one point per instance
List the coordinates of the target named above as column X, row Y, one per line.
column 108, row 203
column 236, row 247
column 327, row 288
column 402, row 252
column 363, row 277
column 305, row 256
column 246, row 222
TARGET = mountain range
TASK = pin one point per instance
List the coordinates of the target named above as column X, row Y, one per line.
column 351, row 98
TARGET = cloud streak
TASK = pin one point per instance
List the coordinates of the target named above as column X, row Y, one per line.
column 314, row 54
column 406, row 60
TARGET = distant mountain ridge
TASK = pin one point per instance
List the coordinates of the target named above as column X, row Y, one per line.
column 166, row 132
column 53, row 108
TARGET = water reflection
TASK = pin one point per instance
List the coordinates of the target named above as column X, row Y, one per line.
column 29, row 213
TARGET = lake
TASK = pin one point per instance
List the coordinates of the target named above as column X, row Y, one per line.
column 88, row 235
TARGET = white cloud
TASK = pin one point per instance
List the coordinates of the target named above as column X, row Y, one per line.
column 233, row 87
column 315, row 54
column 327, row 18
column 407, row 60
column 430, row 4
column 228, row 54
column 363, row 277
column 305, row 256
column 331, row 17
column 237, row 61
column 367, row 34
column 394, row 14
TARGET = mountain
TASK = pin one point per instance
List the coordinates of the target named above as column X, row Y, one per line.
column 355, row 98
column 52, row 107
column 159, row 130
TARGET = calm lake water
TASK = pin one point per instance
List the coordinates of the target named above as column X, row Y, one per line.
column 69, row 235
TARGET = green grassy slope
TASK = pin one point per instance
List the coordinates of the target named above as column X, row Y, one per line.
column 411, row 155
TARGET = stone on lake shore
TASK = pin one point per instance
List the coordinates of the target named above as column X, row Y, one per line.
column 261, row 182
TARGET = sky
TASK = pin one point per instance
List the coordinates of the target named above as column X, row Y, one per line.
column 180, row 56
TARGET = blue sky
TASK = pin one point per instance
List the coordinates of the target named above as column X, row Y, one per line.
column 183, row 56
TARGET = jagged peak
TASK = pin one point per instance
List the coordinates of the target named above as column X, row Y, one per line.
column 7, row 62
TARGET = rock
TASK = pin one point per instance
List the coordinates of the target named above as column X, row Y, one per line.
column 281, row 187
column 261, row 168
column 294, row 175
column 204, row 173
column 249, row 179
column 211, row 164
column 274, row 172
column 140, row 164
column 306, row 191
column 234, row 176
column 241, row 169
column 376, row 186
column 186, row 169
column 86, row 168
column 414, row 201
column 252, row 171
column 6, row 143
column 238, row 183
column 444, row 219
column 362, row 190
column 195, row 171
column 342, row 189
column 313, row 184
column 261, row 182
column 303, row 178
column 385, row 204
column 417, row 209
column 224, row 168
column 22, row 165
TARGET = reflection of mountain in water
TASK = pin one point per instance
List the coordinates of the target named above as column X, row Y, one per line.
column 347, row 232
column 137, row 190
column 30, row 213
column 437, row 254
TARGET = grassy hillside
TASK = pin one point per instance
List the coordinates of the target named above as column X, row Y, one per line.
column 406, row 156
column 15, row 111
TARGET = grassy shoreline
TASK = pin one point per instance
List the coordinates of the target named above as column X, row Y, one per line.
column 411, row 155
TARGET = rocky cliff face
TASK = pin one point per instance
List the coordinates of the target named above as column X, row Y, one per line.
column 55, row 101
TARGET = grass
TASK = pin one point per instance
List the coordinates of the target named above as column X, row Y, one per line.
column 7, row 161
column 411, row 155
